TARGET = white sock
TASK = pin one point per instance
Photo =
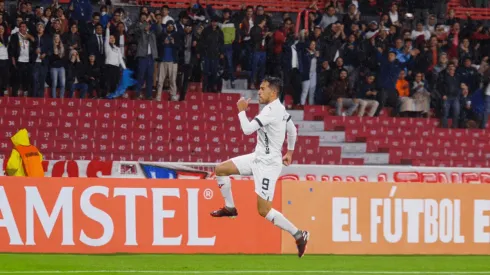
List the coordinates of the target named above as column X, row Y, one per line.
column 224, row 184
column 280, row 221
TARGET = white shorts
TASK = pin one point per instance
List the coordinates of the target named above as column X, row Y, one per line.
column 265, row 176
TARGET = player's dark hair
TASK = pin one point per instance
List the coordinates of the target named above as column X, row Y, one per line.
column 275, row 83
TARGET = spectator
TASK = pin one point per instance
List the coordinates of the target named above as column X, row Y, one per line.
column 21, row 52
column 90, row 27
column 403, row 88
column 420, row 95
column 415, row 99
column 328, row 18
column 352, row 16
column 469, row 75
column 451, row 91
column 184, row 20
column 465, row 51
column 104, row 16
column 113, row 62
column 341, row 96
column 467, row 113
column 4, row 62
column 261, row 15
column 258, row 36
column 486, row 106
column 366, row 93
column 57, row 63
column 168, row 51
column 431, row 24
column 389, row 73
column 146, row 54
column 420, row 32
column 165, row 15
column 310, row 58
column 72, row 39
column 438, row 69
column 94, row 73
column 96, row 44
column 395, row 17
column 229, row 33
column 279, row 39
column 324, row 77
column 291, row 67
column 77, row 75
column 43, row 52
column 122, row 38
column 210, row 47
column 187, row 59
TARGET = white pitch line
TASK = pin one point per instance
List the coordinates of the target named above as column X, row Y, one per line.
column 239, row 272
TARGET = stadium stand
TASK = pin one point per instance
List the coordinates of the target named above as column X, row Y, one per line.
column 462, row 12
column 205, row 128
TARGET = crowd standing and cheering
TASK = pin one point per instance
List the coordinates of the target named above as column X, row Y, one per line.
column 357, row 56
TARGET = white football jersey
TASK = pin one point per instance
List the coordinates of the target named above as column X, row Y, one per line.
column 271, row 134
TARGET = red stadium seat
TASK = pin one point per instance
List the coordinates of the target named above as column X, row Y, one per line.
column 5, row 144
column 121, row 157
column 68, row 123
column 250, row 140
column 195, row 87
column 194, row 97
column 212, row 106
column 69, row 112
column 102, row 156
column 61, row 156
column 229, row 99
column 179, row 157
column 123, row 137
column 34, row 103
column 237, row 149
column 142, row 126
column 104, row 147
column 34, row 112
column 142, row 148
column 11, row 122
column 125, row 105
column 177, row 106
column 44, row 145
column 215, row 138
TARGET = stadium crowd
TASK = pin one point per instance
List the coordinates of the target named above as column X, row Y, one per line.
column 358, row 56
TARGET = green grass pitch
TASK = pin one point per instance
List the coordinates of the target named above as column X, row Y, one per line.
column 240, row 264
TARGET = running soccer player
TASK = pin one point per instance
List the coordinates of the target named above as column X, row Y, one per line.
column 265, row 164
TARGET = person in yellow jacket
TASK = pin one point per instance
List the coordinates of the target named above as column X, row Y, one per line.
column 25, row 159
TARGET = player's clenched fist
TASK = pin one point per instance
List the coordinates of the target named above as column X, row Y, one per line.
column 287, row 159
column 242, row 104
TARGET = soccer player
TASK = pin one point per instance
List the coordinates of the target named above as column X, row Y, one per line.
column 265, row 164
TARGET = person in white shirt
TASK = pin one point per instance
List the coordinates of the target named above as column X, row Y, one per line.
column 419, row 31
column 113, row 62
column 165, row 15
column 265, row 164
column 20, row 50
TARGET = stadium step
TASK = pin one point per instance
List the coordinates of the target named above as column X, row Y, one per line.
column 309, row 126
column 331, row 136
column 347, row 147
column 370, row 158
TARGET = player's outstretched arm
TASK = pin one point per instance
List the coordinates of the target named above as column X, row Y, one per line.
column 248, row 127
column 292, row 134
